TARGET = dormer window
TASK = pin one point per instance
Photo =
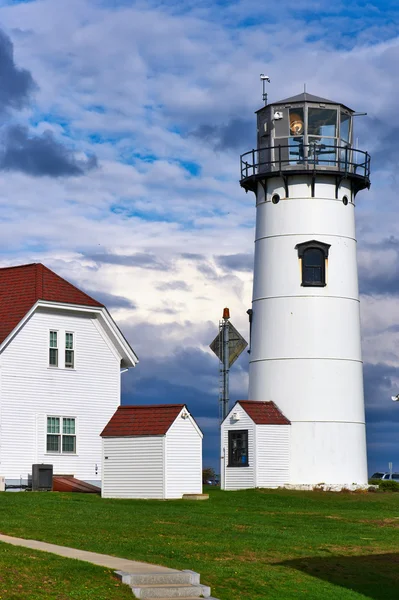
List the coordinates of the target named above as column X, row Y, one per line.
column 313, row 256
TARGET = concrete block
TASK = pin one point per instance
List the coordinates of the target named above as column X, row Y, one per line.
column 170, row 591
column 194, row 577
column 140, row 579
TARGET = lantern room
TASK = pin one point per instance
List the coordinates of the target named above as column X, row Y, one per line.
column 305, row 133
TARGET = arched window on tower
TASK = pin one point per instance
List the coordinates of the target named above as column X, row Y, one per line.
column 313, row 256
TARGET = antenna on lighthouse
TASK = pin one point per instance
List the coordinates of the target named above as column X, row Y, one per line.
column 263, row 79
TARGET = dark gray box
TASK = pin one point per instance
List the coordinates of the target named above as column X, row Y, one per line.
column 42, row 478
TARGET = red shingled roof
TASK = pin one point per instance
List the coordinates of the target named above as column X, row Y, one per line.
column 264, row 413
column 21, row 287
column 153, row 419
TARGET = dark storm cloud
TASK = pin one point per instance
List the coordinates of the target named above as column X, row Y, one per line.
column 382, row 415
column 236, row 262
column 384, row 141
column 16, row 84
column 235, row 134
column 192, row 256
column 111, row 301
column 186, row 375
column 140, row 259
column 173, row 285
column 377, row 281
column 35, row 155
column 39, row 155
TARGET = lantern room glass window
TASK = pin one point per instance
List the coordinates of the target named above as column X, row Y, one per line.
column 295, row 141
column 322, row 134
column 322, row 151
column 345, row 153
column 345, row 127
column 238, row 448
column 322, row 122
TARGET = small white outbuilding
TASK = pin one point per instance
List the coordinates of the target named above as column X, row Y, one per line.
column 152, row 451
column 255, row 446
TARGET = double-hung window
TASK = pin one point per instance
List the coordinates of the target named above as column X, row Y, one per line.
column 69, row 351
column 61, row 435
column 53, row 349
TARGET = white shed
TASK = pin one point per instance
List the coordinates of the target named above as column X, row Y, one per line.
column 152, row 451
column 255, row 446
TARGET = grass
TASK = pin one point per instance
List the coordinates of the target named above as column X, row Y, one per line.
column 248, row 545
column 29, row 575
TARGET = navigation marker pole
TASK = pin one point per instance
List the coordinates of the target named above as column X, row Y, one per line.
column 226, row 363
column 227, row 345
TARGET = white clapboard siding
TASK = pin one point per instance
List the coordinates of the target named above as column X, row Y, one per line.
column 133, row 467
column 235, row 478
column 272, row 455
column 183, row 458
column 31, row 391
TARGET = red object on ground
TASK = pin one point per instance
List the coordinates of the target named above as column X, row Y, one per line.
column 67, row 483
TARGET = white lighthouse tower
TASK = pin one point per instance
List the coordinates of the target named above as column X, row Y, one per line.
column 305, row 347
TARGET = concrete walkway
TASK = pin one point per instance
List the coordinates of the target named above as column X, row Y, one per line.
column 104, row 560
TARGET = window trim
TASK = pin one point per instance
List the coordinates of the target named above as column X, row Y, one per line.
column 70, row 367
column 230, row 448
column 61, row 434
column 56, row 366
column 313, row 245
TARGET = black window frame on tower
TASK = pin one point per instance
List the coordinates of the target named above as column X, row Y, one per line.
column 313, row 275
column 234, row 460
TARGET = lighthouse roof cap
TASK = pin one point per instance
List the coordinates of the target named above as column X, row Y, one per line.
column 262, row 413
column 305, row 97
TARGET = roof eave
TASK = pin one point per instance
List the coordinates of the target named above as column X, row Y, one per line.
column 289, row 101
column 127, row 350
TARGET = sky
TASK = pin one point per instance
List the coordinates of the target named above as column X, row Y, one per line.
column 121, row 128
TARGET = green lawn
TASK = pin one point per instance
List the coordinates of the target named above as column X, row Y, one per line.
column 249, row 545
column 29, row 575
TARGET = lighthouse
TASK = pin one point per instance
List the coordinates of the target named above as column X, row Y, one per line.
column 305, row 341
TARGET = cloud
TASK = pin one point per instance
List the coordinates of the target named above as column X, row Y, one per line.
column 236, row 134
column 382, row 415
column 139, row 259
column 173, row 285
column 111, row 301
column 39, row 155
column 379, row 268
column 16, row 84
column 236, row 262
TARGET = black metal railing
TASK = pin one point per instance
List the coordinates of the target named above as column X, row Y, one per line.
column 305, row 157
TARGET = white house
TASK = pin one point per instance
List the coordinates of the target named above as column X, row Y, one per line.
column 60, row 360
column 255, row 446
column 152, row 452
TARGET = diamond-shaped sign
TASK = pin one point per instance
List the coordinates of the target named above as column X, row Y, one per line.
column 236, row 344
